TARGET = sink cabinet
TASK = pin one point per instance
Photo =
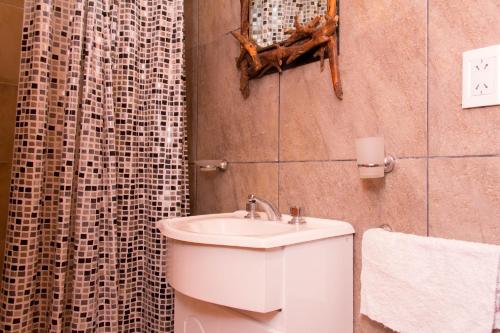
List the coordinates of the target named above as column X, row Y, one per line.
column 299, row 288
column 243, row 278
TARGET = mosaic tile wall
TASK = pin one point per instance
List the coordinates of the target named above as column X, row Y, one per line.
column 269, row 19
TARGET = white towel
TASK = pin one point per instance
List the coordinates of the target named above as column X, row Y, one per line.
column 415, row 284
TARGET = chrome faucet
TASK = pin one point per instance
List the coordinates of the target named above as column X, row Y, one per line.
column 272, row 212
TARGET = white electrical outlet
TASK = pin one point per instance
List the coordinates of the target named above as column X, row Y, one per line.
column 481, row 77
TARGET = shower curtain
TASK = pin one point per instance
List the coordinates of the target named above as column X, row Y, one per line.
column 99, row 157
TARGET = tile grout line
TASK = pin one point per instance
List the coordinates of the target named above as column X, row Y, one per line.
column 354, row 160
column 464, row 156
column 427, row 116
column 195, row 199
column 279, row 136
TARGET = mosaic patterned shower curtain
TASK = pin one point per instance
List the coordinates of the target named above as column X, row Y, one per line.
column 100, row 156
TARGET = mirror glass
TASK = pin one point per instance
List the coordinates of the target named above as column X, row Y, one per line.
column 269, row 19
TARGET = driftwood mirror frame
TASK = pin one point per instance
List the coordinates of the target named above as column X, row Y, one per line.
column 319, row 34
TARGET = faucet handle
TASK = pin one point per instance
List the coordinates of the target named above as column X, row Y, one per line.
column 296, row 211
column 251, row 208
column 297, row 214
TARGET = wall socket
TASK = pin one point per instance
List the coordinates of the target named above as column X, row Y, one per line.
column 481, row 77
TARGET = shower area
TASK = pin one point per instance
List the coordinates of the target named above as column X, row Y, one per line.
column 97, row 154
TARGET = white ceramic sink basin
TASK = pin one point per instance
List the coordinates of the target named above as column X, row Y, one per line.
column 232, row 229
column 232, row 226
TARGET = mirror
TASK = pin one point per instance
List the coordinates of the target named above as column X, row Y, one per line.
column 270, row 19
column 276, row 35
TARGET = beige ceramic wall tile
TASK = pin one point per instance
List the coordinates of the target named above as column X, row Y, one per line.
column 316, row 126
column 217, row 18
column 383, row 67
column 229, row 126
column 11, row 20
column 4, row 190
column 8, row 101
column 191, row 23
column 399, row 39
column 334, row 190
column 192, row 99
column 192, row 189
column 228, row 191
column 191, row 35
column 384, row 81
column 455, row 27
column 464, row 198
column 16, row 3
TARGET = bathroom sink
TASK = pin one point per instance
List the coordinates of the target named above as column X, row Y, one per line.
column 232, row 229
column 281, row 274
